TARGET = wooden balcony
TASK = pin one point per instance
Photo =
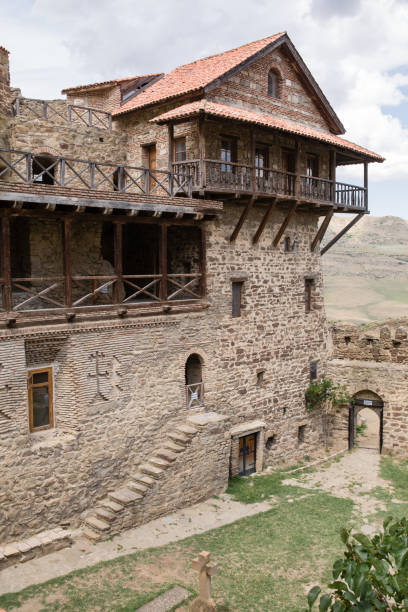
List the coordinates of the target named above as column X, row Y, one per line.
column 61, row 112
column 221, row 177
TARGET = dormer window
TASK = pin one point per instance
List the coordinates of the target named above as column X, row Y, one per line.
column 273, row 84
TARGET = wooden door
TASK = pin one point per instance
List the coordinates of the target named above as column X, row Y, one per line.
column 247, row 455
column 152, row 165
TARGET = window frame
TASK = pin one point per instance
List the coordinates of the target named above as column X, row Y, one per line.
column 309, row 285
column 313, row 369
column 180, row 139
column 30, row 387
column 273, row 89
column 236, row 290
column 313, row 165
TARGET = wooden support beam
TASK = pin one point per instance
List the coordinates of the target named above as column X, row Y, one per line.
column 322, row 230
column 118, row 259
column 285, row 223
column 340, row 234
column 242, row 218
column 253, row 158
column 264, row 221
column 163, row 262
column 297, row 168
column 6, row 264
column 333, row 166
column 66, row 249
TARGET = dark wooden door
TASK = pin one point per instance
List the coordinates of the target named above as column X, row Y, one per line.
column 247, row 455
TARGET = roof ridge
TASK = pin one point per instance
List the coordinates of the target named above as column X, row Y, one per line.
column 207, row 57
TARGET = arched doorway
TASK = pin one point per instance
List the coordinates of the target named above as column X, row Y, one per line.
column 194, row 381
column 366, row 409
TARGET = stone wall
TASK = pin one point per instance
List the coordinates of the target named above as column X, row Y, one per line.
column 106, row 425
column 374, row 360
column 5, row 111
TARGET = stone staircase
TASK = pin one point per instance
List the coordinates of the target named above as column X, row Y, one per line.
column 120, row 509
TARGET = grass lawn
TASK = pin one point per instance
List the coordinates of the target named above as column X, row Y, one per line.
column 266, row 562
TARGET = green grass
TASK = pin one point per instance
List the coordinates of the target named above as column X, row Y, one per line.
column 260, row 488
column 266, row 561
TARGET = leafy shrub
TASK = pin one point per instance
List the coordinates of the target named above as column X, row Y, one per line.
column 373, row 574
column 321, row 391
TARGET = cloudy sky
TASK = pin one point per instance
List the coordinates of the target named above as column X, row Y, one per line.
column 356, row 49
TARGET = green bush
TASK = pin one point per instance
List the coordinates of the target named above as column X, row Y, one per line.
column 321, row 391
column 373, row 574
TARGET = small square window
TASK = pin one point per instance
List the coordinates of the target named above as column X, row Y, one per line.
column 40, row 399
column 260, row 378
column 309, row 285
column 313, row 370
column 236, row 298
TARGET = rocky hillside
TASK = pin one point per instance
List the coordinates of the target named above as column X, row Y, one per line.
column 366, row 272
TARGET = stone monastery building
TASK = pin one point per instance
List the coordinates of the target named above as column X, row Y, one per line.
column 161, row 289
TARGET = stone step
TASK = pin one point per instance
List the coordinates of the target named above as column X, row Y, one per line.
column 137, row 487
column 178, row 437
column 92, row 535
column 173, row 447
column 151, row 470
column 110, row 505
column 124, row 496
column 159, row 462
column 105, row 514
column 166, row 454
column 188, row 430
column 144, row 479
column 97, row 524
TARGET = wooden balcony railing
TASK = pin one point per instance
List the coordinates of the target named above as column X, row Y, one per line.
column 233, row 177
column 59, row 292
column 25, row 167
column 60, row 111
column 195, row 395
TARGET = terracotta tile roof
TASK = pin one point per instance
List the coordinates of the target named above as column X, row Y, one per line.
column 196, row 75
column 4, row 49
column 239, row 114
column 107, row 83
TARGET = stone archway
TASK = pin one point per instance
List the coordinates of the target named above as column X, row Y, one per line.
column 362, row 401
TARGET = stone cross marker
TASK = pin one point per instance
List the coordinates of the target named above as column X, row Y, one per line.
column 206, row 569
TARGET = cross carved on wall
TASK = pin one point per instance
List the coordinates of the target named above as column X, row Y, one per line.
column 97, row 356
column 4, row 411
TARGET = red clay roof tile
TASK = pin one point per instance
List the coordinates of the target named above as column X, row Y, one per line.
column 240, row 114
column 196, row 75
column 4, row 49
column 107, row 83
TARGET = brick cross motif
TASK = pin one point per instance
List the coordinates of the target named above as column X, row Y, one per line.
column 4, row 411
column 97, row 356
column 206, row 570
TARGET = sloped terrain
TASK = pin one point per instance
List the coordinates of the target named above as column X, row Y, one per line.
column 366, row 272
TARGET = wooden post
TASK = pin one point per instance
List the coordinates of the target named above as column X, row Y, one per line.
column 341, row 233
column 322, row 230
column 253, row 168
column 66, row 249
column 203, row 262
column 242, row 218
column 202, row 153
column 7, row 290
column 264, row 221
column 163, row 261
column 118, row 258
column 285, row 223
column 297, row 166
column 333, row 165
column 366, row 185
column 170, row 145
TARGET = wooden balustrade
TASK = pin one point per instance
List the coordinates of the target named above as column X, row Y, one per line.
column 31, row 108
column 233, row 177
column 26, row 167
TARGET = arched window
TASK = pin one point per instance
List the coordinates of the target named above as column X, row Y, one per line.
column 44, row 169
column 273, row 84
column 194, row 381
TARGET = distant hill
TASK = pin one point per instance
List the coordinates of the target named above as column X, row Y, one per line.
column 366, row 272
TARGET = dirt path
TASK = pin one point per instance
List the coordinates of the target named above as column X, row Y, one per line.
column 353, row 476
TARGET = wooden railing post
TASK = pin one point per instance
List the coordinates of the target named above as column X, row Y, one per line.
column 118, row 259
column 163, row 261
column 66, row 246
column 29, row 167
column 6, row 264
column 147, row 180
column 90, row 117
column 333, row 165
column 201, row 146
column 203, row 262
column 70, row 112
column 45, row 109
column 297, row 166
column 366, row 185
